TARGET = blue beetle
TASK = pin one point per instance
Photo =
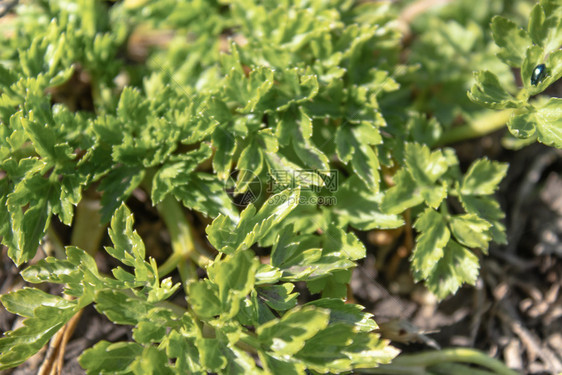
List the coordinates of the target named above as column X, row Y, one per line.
column 538, row 74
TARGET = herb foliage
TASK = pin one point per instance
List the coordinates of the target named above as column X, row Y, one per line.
column 315, row 86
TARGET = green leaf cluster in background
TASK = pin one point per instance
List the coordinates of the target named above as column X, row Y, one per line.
column 290, row 103
column 532, row 118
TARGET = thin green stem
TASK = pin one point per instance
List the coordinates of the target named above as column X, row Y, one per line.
column 457, row 369
column 202, row 256
column 483, row 125
column 187, row 271
column 58, row 246
column 184, row 245
column 182, row 241
column 176, row 309
column 428, row 359
column 177, row 225
column 87, row 230
column 170, row 264
column 392, row 369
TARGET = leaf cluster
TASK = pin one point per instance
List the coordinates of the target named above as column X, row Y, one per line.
column 525, row 50
column 306, row 95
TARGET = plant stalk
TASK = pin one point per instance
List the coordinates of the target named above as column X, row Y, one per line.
column 457, row 369
column 414, row 363
column 55, row 241
column 249, row 342
column 87, row 230
column 182, row 241
column 480, row 126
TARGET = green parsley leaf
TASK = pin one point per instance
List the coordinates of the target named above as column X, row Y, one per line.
column 434, row 236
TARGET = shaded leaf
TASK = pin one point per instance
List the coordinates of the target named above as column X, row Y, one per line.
column 110, row 358
column 483, row 177
column 279, row 297
column 513, row 40
column 287, row 336
column 470, row 230
column 229, row 237
column 404, row 194
column 488, row 91
column 457, row 266
column 434, row 236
